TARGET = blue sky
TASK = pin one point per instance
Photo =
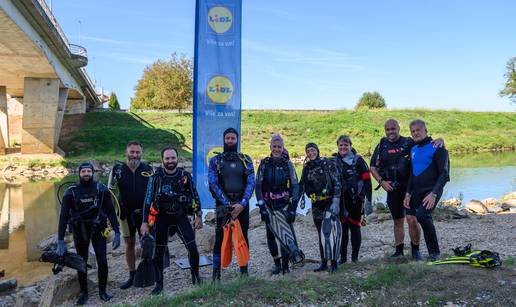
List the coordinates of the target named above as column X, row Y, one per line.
column 445, row 54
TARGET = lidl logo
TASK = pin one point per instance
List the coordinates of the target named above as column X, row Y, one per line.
column 220, row 19
column 220, row 89
column 212, row 153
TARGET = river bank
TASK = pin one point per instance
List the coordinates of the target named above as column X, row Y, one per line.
column 103, row 135
column 487, row 231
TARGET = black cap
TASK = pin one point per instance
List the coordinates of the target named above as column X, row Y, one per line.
column 86, row 164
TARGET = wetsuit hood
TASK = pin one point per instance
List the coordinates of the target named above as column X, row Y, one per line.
column 83, row 166
column 313, row 145
column 232, row 148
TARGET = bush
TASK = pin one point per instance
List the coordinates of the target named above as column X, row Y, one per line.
column 510, row 85
column 371, row 101
column 165, row 85
column 113, row 102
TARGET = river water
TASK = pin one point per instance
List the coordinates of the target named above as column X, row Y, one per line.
column 29, row 211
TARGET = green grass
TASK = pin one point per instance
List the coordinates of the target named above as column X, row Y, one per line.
column 510, row 262
column 368, row 283
column 311, row 289
column 105, row 134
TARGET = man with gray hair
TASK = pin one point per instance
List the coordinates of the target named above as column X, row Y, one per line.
column 430, row 172
column 390, row 166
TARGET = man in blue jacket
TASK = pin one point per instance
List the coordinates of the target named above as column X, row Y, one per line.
column 430, row 172
column 231, row 180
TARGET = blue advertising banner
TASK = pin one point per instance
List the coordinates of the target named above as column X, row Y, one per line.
column 217, row 96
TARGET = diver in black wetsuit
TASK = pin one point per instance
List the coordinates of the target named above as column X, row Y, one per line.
column 231, row 181
column 277, row 187
column 356, row 195
column 171, row 197
column 320, row 182
column 430, row 172
column 85, row 207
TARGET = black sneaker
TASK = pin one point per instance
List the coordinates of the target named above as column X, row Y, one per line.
column 433, row 257
column 342, row 261
column 399, row 251
column 416, row 255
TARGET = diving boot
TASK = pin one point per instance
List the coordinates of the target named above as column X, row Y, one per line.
column 129, row 283
column 399, row 251
column 215, row 276
column 354, row 256
column 322, row 267
column 333, row 267
column 83, row 298
column 105, row 296
column 243, row 271
column 196, row 279
column 343, row 259
column 276, row 268
column 284, row 266
column 416, row 254
column 158, row 288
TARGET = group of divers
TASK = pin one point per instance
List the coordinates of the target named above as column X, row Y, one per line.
column 158, row 203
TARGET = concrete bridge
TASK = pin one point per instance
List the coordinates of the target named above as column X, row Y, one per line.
column 42, row 77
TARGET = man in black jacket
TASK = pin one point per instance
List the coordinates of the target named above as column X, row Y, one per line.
column 131, row 179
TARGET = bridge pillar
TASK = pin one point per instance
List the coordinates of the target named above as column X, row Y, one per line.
column 42, row 118
column 4, row 121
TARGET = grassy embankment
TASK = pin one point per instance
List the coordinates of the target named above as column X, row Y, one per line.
column 103, row 136
column 370, row 283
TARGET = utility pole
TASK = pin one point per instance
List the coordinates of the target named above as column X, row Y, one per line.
column 80, row 25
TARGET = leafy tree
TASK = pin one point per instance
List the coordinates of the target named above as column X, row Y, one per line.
column 510, row 84
column 165, row 85
column 113, row 102
column 371, row 100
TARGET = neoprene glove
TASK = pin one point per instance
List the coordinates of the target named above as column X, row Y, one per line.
column 291, row 216
column 368, row 207
column 61, row 247
column 334, row 208
column 116, row 241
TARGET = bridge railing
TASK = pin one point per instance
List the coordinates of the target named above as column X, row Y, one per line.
column 73, row 48
column 53, row 20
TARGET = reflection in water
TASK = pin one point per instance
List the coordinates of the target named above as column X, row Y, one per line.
column 28, row 215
